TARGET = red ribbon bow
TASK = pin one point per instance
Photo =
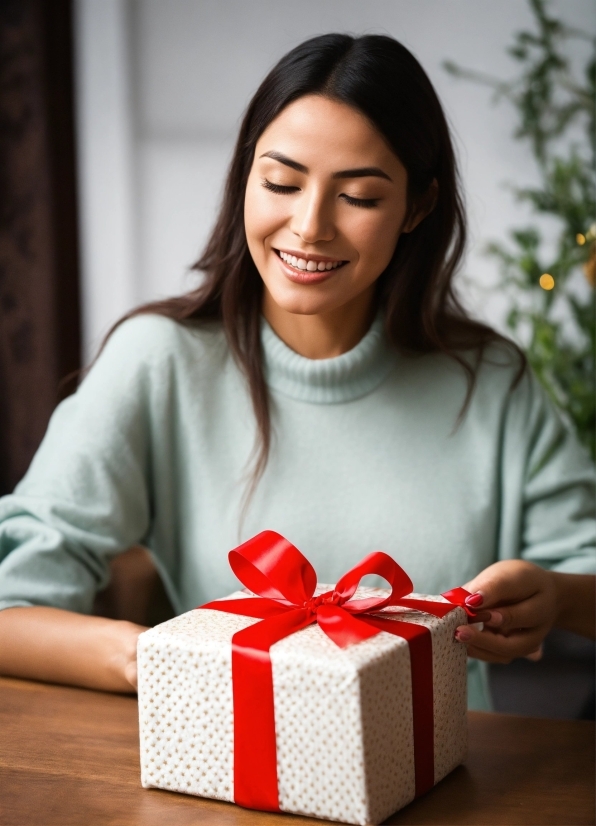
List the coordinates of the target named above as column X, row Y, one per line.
column 285, row 581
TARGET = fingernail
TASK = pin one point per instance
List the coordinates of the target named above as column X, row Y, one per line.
column 474, row 600
column 496, row 618
column 463, row 635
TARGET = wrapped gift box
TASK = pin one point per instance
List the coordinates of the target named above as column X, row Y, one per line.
column 344, row 731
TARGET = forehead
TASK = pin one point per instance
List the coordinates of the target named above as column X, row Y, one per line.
column 326, row 134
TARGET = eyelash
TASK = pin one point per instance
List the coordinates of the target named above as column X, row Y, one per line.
column 278, row 189
column 363, row 203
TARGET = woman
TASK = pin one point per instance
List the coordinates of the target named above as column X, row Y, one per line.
column 322, row 381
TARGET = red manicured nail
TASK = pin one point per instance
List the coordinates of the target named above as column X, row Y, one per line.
column 474, row 600
column 464, row 635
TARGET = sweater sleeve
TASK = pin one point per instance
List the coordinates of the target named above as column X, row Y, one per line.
column 547, row 486
column 85, row 497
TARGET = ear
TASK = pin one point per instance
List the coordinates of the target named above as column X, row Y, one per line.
column 423, row 207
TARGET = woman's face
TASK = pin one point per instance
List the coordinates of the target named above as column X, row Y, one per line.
column 325, row 204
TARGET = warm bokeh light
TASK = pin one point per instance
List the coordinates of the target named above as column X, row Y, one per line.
column 547, row 282
column 581, row 239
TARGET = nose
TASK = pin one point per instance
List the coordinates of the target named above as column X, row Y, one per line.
column 312, row 219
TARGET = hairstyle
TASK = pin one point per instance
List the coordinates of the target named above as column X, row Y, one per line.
column 380, row 78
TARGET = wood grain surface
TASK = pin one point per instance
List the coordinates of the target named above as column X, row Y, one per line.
column 70, row 756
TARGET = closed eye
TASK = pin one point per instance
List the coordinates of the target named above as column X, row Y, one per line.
column 278, row 188
column 365, row 203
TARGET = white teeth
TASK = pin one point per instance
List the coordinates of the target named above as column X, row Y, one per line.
column 308, row 266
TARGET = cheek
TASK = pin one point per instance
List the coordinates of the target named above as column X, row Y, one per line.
column 261, row 215
column 375, row 237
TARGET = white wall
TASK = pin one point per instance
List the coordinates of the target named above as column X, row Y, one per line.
column 162, row 85
column 108, row 196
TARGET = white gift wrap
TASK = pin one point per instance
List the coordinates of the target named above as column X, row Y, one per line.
column 343, row 716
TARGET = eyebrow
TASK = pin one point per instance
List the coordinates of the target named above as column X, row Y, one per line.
column 362, row 172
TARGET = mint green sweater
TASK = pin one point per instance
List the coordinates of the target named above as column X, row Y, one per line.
column 153, row 449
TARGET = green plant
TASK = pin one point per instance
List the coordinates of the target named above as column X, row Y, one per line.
column 552, row 294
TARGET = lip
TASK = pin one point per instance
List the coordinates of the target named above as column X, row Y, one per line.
column 304, row 276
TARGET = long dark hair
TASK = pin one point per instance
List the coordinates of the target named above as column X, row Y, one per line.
column 379, row 77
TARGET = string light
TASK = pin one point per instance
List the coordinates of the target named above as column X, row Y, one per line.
column 580, row 238
column 547, row 282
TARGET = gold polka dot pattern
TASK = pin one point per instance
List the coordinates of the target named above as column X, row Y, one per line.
column 343, row 717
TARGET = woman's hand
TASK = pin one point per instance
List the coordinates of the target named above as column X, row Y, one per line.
column 520, row 603
column 125, row 651
column 59, row 646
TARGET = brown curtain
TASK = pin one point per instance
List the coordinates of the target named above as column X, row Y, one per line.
column 39, row 263
column 39, row 272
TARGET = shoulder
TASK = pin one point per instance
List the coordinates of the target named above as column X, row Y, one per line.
column 148, row 353
column 533, row 424
column 490, row 373
column 156, row 336
column 501, row 369
column 504, row 371
column 505, row 380
column 491, row 387
column 150, row 342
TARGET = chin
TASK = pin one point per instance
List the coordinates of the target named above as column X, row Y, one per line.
column 303, row 301
column 305, row 307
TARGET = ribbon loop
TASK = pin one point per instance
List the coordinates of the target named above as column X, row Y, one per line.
column 383, row 565
column 270, row 566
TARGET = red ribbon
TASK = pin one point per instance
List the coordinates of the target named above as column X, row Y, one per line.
column 285, row 581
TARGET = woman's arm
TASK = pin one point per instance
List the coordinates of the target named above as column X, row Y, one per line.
column 546, row 517
column 60, row 646
column 520, row 604
column 84, row 500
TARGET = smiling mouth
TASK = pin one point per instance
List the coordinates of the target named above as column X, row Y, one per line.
column 310, row 264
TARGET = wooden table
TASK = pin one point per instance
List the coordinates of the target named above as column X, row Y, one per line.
column 70, row 756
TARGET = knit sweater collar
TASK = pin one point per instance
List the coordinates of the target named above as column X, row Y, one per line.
column 327, row 381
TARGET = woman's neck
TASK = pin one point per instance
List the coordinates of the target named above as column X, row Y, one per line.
column 324, row 335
